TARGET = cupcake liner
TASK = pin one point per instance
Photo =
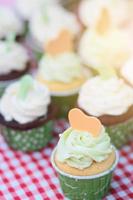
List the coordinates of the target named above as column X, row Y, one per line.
column 121, row 134
column 64, row 104
column 28, row 140
column 85, row 187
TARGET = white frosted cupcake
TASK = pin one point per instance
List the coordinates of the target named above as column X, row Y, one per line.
column 9, row 23
column 62, row 71
column 14, row 62
column 25, row 114
column 119, row 10
column 64, row 75
column 110, row 49
column 49, row 21
column 27, row 8
column 127, row 71
column 111, row 100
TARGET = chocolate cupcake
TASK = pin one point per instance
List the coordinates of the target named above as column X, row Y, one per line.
column 26, row 115
column 111, row 100
column 14, row 62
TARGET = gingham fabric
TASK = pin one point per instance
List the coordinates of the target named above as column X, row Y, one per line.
column 31, row 176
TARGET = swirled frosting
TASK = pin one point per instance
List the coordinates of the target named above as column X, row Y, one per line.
column 13, row 56
column 9, row 22
column 48, row 27
column 80, row 149
column 110, row 49
column 90, row 11
column 105, row 97
column 63, row 67
column 27, row 8
column 28, row 109
column 127, row 71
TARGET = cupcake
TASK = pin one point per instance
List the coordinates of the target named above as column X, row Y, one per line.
column 27, row 8
column 10, row 23
column 26, row 115
column 70, row 4
column 104, row 45
column 48, row 22
column 111, row 100
column 62, row 71
column 14, row 62
column 127, row 72
column 84, row 158
column 90, row 10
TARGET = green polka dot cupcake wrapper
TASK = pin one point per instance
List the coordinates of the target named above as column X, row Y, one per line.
column 87, row 188
column 121, row 134
column 29, row 140
column 64, row 104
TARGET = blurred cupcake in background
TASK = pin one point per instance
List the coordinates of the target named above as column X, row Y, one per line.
column 47, row 23
column 14, row 62
column 127, row 72
column 70, row 4
column 27, row 8
column 119, row 11
column 10, row 23
column 26, row 115
column 104, row 45
column 62, row 71
column 111, row 100
column 84, row 158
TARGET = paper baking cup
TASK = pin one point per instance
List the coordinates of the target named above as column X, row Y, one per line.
column 65, row 101
column 121, row 134
column 29, row 140
column 85, row 187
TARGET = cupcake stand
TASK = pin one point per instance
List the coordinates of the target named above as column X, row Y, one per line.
column 30, row 176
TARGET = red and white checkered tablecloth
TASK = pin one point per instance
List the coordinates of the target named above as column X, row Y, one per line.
column 31, row 176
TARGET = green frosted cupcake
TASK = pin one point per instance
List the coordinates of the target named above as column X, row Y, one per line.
column 64, row 75
column 111, row 100
column 84, row 158
column 26, row 115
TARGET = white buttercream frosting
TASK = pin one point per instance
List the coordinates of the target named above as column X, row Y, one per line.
column 90, row 11
column 110, row 49
column 46, row 27
column 127, row 71
column 28, row 109
column 26, row 8
column 9, row 22
column 105, row 97
column 13, row 56
column 63, row 67
column 80, row 149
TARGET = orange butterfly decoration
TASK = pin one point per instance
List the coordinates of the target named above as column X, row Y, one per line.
column 80, row 121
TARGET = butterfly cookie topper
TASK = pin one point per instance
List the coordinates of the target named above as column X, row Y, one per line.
column 63, row 43
column 82, row 122
column 104, row 22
